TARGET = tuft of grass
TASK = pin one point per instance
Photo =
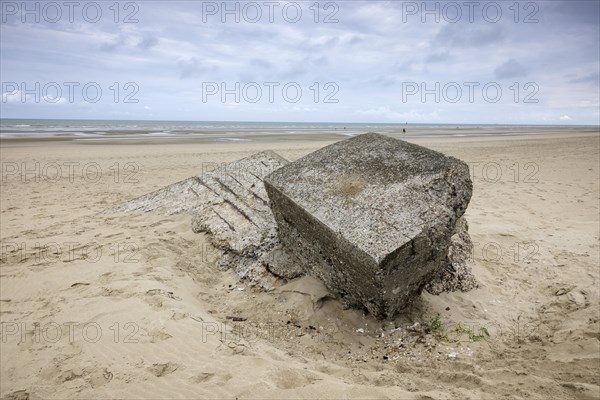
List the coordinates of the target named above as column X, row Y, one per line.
column 475, row 337
column 436, row 328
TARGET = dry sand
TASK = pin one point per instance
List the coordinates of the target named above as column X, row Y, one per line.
column 133, row 306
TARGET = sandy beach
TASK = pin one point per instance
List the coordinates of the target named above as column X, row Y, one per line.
column 133, row 306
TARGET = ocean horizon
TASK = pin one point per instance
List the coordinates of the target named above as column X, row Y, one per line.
column 93, row 129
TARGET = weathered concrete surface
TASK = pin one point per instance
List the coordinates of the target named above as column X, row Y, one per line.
column 371, row 216
column 456, row 274
column 216, row 201
column 231, row 205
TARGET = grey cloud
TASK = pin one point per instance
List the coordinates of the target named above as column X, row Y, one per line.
column 354, row 40
column 112, row 46
column 260, row 63
column 291, row 69
column 318, row 60
column 406, row 66
column 245, row 78
column 582, row 12
column 301, row 67
column 242, row 33
column 327, row 45
column 147, row 42
column 511, row 69
column 295, row 72
column 438, row 57
column 257, row 67
column 593, row 78
column 385, row 81
column 193, row 66
column 470, row 36
column 123, row 40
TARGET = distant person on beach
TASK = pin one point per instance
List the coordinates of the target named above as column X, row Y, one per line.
column 403, row 130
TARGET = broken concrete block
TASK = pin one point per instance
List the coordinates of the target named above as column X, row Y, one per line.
column 253, row 250
column 228, row 202
column 457, row 273
column 231, row 205
column 371, row 216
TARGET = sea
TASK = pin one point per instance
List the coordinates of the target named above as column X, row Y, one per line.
column 236, row 131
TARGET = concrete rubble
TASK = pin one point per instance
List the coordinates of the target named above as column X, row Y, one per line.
column 371, row 217
column 375, row 218
column 231, row 205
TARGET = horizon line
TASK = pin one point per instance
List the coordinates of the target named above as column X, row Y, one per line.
column 307, row 122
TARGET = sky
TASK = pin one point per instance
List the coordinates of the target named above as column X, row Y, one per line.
column 504, row 62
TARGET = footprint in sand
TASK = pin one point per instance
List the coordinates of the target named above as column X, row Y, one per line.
column 210, row 376
column 105, row 278
column 156, row 297
column 291, row 379
column 572, row 298
column 17, row 395
column 156, row 335
column 578, row 299
column 170, row 295
column 202, row 377
column 159, row 370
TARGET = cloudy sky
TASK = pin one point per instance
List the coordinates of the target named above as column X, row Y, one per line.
column 344, row 61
